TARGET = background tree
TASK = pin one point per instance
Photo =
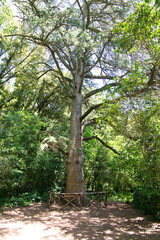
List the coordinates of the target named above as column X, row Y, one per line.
column 139, row 35
column 14, row 54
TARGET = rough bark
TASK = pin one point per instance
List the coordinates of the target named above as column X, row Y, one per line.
column 75, row 176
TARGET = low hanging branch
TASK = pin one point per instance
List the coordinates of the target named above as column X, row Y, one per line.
column 101, row 141
column 51, row 144
column 57, row 147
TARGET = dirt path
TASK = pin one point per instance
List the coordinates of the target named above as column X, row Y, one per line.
column 37, row 222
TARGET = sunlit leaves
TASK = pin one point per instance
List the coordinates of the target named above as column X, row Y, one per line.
column 141, row 29
column 18, row 143
column 138, row 121
column 22, row 166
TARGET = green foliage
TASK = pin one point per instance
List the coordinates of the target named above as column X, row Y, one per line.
column 126, row 197
column 23, row 199
column 148, row 201
column 139, row 123
column 37, row 90
column 141, row 28
column 137, row 45
column 5, row 17
column 105, row 171
column 49, row 171
column 10, row 49
column 18, row 147
column 23, row 166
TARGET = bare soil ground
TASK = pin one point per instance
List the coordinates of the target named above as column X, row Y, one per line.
column 37, row 222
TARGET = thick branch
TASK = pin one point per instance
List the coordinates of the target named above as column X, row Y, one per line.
column 80, row 7
column 151, row 83
column 90, row 110
column 88, row 123
column 103, row 143
column 2, row 73
column 63, row 82
column 45, row 72
column 28, row 37
column 99, row 77
column 49, row 33
column 94, row 29
column 35, row 10
column 63, row 60
column 57, row 147
column 152, row 75
column 99, row 90
column 87, row 6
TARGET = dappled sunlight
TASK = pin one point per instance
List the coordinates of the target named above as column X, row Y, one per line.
column 117, row 221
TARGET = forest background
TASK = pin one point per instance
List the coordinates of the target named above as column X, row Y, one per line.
column 80, row 68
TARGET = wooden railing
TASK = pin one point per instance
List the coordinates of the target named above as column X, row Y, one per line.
column 78, row 200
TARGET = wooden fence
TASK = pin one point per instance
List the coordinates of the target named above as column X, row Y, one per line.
column 78, row 200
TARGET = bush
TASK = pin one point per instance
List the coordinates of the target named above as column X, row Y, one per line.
column 126, row 197
column 148, row 201
column 23, row 199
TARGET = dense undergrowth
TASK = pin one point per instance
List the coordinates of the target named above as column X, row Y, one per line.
column 23, row 199
column 148, row 201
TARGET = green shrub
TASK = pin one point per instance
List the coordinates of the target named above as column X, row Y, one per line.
column 126, row 197
column 148, row 201
column 23, row 199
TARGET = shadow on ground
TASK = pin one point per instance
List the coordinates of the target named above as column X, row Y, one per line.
column 119, row 221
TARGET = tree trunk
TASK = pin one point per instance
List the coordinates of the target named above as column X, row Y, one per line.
column 75, row 175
